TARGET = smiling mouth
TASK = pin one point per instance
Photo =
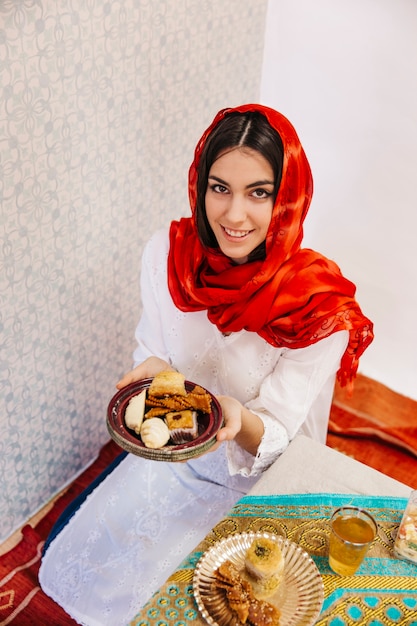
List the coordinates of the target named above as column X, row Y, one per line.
column 236, row 234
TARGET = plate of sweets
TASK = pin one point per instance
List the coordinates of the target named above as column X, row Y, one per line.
column 258, row 579
column 165, row 418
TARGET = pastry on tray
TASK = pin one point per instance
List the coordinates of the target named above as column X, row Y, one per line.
column 154, row 433
column 135, row 411
column 241, row 599
column 182, row 425
column 168, row 383
column 265, row 565
column 167, row 401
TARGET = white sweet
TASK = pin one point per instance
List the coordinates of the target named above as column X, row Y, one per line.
column 154, row 433
column 135, row 411
column 406, row 541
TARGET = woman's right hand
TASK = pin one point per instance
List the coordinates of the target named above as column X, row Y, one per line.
column 148, row 369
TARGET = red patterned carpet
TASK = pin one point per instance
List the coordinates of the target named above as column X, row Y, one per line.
column 375, row 426
column 22, row 602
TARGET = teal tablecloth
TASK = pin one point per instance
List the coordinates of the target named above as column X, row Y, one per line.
column 383, row 592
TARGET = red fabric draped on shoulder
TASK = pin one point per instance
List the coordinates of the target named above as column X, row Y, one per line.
column 294, row 297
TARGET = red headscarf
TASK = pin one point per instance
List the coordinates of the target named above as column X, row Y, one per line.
column 294, row 297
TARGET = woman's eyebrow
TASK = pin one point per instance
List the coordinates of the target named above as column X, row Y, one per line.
column 219, row 180
column 260, row 183
column 257, row 183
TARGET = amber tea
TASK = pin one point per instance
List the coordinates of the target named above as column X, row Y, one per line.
column 352, row 532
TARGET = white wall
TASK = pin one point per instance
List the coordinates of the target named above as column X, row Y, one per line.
column 345, row 73
column 101, row 104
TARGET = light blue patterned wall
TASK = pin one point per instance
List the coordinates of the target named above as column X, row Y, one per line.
column 101, row 103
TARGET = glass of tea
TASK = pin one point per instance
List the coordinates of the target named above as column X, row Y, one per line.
column 352, row 531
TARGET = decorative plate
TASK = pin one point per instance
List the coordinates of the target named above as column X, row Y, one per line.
column 299, row 597
column 127, row 439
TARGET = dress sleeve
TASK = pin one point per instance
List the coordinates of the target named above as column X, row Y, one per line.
column 149, row 334
column 294, row 399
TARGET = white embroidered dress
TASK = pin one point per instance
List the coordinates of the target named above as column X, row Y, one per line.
column 136, row 527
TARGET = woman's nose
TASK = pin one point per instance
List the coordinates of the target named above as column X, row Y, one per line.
column 236, row 211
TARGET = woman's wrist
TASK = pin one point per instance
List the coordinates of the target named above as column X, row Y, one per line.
column 251, row 432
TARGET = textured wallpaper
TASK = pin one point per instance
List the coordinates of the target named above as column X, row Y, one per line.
column 101, row 103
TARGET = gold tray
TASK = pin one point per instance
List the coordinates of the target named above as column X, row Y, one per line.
column 299, row 597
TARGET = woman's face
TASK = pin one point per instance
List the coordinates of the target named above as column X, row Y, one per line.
column 239, row 201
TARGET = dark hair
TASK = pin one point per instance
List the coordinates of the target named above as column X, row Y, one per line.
column 249, row 130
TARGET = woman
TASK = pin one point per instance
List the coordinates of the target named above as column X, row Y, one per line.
column 232, row 301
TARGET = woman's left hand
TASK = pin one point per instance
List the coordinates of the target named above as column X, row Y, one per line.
column 240, row 424
column 232, row 414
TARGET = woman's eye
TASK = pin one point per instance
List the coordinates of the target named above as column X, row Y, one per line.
column 219, row 188
column 261, row 193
